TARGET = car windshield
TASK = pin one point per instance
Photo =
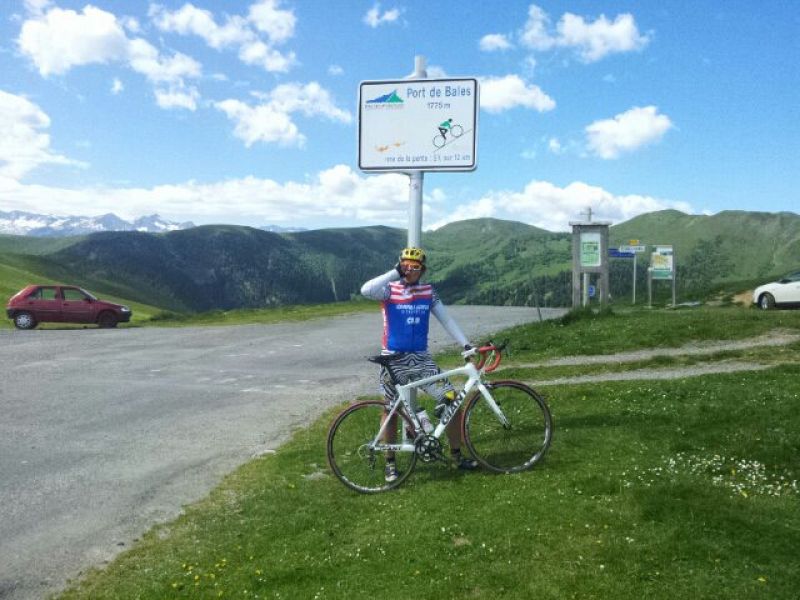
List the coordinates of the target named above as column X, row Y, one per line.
column 793, row 276
column 92, row 296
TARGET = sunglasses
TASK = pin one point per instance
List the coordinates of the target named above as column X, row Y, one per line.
column 412, row 268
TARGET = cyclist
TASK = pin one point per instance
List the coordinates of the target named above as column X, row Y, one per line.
column 407, row 305
column 445, row 126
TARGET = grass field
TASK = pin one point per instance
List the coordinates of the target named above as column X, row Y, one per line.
column 681, row 488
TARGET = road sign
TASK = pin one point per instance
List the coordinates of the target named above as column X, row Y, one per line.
column 633, row 242
column 620, row 253
column 592, row 291
column 418, row 125
column 635, row 248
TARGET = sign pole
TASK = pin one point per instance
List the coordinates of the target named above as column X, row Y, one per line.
column 634, row 279
column 415, row 180
column 416, row 177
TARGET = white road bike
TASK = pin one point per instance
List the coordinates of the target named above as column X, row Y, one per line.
column 507, row 426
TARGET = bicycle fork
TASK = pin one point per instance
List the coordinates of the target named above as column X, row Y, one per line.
column 494, row 406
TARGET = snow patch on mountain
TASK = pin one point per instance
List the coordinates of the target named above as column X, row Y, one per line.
column 24, row 223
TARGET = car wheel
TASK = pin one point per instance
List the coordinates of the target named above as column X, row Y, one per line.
column 24, row 320
column 107, row 320
column 766, row 302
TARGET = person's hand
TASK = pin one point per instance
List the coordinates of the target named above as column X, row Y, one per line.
column 399, row 268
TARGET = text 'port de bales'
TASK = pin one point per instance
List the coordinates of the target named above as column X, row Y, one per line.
column 418, row 125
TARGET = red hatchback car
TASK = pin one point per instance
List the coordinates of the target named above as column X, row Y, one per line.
column 36, row 304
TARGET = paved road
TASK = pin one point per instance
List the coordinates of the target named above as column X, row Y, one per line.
column 105, row 432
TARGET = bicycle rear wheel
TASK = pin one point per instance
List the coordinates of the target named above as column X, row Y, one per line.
column 517, row 446
column 357, row 465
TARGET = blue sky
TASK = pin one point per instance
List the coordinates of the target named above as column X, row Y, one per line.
column 246, row 112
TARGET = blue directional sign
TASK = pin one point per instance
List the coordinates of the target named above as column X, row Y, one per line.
column 615, row 253
column 591, row 291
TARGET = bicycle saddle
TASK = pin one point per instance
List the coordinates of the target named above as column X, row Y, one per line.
column 383, row 359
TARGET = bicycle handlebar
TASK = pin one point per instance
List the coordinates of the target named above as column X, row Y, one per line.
column 490, row 350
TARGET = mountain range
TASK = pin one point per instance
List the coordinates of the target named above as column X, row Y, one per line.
column 478, row 261
column 25, row 223
column 39, row 225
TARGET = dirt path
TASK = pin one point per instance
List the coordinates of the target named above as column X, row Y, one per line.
column 772, row 339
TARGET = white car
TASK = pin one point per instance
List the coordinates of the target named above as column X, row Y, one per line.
column 782, row 293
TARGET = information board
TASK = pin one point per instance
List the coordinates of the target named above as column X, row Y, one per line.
column 661, row 263
column 418, row 125
column 590, row 249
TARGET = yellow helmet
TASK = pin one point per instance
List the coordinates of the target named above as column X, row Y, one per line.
column 417, row 254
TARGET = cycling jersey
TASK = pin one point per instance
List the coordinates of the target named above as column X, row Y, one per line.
column 406, row 312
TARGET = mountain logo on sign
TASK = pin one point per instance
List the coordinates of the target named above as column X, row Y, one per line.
column 392, row 98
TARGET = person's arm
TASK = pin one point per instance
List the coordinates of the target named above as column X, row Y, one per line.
column 378, row 288
column 450, row 326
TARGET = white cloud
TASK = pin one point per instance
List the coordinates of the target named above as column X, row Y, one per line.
column 494, row 41
column 627, row 131
column 261, row 123
column 144, row 58
column 335, row 70
column 24, row 144
column 58, row 40
column 255, row 36
column 117, row 86
column 592, row 40
column 270, row 121
column 374, row 18
column 177, row 97
column 37, row 7
column 503, row 93
column 600, row 38
column 190, row 20
column 276, row 23
column 335, row 194
column 554, row 146
column 550, row 207
column 61, row 39
column 534, row 33
column 260, row 54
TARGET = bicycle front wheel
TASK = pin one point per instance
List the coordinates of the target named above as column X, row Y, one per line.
column 522, row 441
column 358, row 465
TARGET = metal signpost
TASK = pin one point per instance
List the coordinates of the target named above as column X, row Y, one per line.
column 634, row 247
column 414, row 125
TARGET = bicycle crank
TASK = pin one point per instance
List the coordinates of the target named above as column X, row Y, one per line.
column 428, row 448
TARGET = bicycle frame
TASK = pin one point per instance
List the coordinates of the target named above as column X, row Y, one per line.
column 474, row 379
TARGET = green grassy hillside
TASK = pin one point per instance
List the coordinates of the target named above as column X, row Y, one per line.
column 490, row 261
column 478, row 261
column 23, row 244
column 731, row 245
